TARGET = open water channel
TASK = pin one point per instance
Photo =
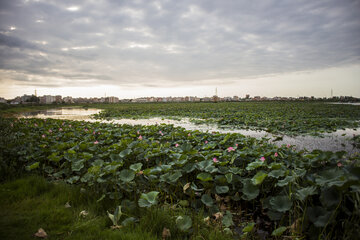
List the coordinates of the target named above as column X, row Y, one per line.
column 336, row 141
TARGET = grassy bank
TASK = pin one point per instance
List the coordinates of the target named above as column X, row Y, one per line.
column 31, row 202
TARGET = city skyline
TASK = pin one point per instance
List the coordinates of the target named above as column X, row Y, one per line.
column 165, row 48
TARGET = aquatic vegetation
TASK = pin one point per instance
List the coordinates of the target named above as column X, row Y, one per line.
column 289, row 118
column 233, row 179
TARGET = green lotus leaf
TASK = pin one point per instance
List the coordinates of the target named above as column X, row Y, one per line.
column 184, row 223
column 204, row 177
column 303, row 193
column 115, row 157
column 125, row 152
column 279, row 231
column 112, row 167
column 221, row 189
column 128, row 221
column 170, row 178
column 87, row 156
column 204, row 164
column 73, row 179
column 195, row 188
column 331, row 177
column 207, row 200
column 54, row 157
column 254, row 165
column 33, row 166
column 188, row 168
column 227, row 219
column 126, row 175
column 330, row 197
column 229, row 177
column 281, row 203
column 87, row 177
column 277, row 173
column 318, row 216
column 249, row 227
column 285, row 181
column 148, row 199
column 98, row 162
column 184, row 203
column 77, row 165
column 136, row 167
column 249, row 190
column 259, row 178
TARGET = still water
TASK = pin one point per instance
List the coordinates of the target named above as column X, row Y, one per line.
column 337, row 141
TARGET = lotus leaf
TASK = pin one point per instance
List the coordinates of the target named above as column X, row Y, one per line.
column 221, row 189
column 281, row 203
column 204, row 177
column 249, row 190
column 148, row 199
column 259, row 178
column 207, row 200
column 126, row 175
column 184, row 223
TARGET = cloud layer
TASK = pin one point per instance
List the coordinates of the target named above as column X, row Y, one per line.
column 172, row 43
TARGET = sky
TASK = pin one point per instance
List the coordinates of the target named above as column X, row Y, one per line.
column 164, row 48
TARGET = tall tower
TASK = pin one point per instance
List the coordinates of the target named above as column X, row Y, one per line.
column 35, row 93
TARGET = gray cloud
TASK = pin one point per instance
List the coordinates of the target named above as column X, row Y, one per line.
column 173, row 42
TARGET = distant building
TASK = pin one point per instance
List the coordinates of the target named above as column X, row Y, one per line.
column 247, row 96
column 2, row 100
column 68, row 99
column 47, row 99
column 111, row 99
column 58, row 99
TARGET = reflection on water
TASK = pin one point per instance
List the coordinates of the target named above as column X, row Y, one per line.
column 337, row 141
column 63, row 113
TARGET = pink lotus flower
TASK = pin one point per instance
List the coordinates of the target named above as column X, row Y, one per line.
column 339, row 164
column 176, row 145
column 98, row 133
column 161, row 133
column 215, row 160
column 262, row 159
column 35, row 125
column 229, row 149
column 189, row 135
column 96, row 142
column 60, row 129
column 43, row 136
column 236, row 145
column 86, row 129
column 50, row 131
column 206, row 142
column 63, row 123
column 94, row 132
column 276, row 154
column 288, row 146
column 69, row 125
column 138, row 133
column 140, row 137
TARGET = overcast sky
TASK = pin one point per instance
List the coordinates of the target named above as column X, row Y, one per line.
column 162, row 48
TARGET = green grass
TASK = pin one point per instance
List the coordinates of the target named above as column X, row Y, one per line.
column 31, row 202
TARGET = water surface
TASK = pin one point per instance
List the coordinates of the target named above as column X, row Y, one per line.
column 336, row 141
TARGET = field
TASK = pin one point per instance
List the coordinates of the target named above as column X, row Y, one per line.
column 289, row 118
column 137, row 181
